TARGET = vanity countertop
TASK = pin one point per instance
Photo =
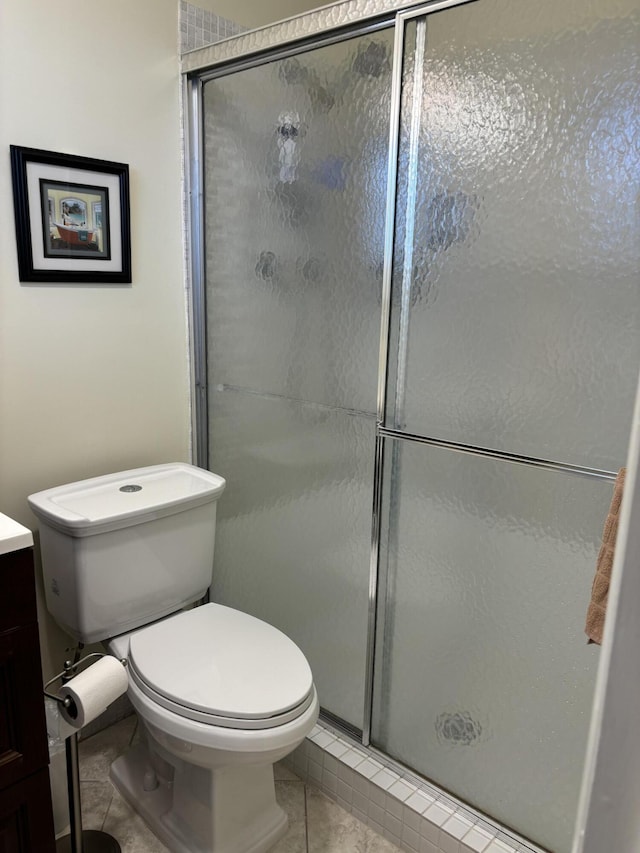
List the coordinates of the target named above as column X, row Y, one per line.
column 13, row 536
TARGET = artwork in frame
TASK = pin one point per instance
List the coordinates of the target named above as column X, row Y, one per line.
column 72, row 218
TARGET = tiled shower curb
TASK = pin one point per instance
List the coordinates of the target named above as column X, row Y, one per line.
column 416, row 818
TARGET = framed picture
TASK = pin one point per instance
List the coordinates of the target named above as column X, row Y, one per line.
column 72, row 218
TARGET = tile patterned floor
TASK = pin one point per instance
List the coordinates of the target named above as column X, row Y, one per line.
column 316, row 823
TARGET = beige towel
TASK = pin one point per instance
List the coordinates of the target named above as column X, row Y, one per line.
column 600, row 590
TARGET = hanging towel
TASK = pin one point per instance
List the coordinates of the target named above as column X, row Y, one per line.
column 600, row 590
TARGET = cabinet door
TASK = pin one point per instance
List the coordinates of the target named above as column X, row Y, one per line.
column 18, row 602
column 26, row 819
column 23, row 745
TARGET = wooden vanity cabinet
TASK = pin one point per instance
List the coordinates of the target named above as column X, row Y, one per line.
column 26, row 816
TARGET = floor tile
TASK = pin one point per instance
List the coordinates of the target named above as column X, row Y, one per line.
column 295, row 841
column 98, row 752
column 290, row 797
column 95, row 798
column 129, row 829
column 331, row 828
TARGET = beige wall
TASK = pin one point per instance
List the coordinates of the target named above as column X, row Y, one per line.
column 253, row 13
column 92, row 378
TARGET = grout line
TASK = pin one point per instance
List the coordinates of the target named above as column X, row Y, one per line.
column 133, row 733
column 106, row 814
column 306, row 822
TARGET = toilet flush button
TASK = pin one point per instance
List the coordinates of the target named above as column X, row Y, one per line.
column 130, row 488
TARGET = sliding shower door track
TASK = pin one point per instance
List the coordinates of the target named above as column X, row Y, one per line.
column 341, row 726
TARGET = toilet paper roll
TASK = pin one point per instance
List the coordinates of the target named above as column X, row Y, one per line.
column 92, row 691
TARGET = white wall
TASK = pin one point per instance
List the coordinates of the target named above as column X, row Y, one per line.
column 609, row 817
column 92, row 378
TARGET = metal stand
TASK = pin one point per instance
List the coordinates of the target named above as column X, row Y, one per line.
column 79, row 840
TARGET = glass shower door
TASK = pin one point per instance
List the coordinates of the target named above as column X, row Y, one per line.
column 295, row 165
column 514, row 353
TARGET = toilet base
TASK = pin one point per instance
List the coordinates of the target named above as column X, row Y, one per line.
column 221, row 810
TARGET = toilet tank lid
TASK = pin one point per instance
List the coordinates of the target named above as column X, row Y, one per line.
column 130, row 497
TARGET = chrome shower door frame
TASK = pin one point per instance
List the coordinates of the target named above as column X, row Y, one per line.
column 264, row 46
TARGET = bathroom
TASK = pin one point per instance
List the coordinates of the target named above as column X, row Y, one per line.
column 96, row 379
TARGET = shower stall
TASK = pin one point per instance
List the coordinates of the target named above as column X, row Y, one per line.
column 415, row 253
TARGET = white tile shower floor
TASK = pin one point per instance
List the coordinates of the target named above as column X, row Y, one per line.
column 316, row 823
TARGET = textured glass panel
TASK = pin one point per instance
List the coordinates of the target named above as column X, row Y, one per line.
column 296, row 158
column 295, row 194
column 484, row 678
column 523, row 302
column 293, row 530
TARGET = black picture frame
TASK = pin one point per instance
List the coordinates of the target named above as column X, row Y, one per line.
column 72, row 218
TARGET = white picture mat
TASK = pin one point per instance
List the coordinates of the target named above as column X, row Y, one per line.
column 35, row 171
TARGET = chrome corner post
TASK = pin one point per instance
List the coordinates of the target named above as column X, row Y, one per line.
column 385, row 321
column 194, row 182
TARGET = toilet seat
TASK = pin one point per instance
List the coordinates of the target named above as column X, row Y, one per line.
column 218, row 666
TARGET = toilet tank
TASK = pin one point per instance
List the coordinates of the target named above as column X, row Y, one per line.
column 125, row 549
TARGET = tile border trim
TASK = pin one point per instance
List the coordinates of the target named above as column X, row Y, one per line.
column 311, row 23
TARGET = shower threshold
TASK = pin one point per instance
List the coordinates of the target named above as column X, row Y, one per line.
column 394, row 801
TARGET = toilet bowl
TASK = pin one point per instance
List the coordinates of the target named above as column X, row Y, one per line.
column 205, row 763
column 221, row 695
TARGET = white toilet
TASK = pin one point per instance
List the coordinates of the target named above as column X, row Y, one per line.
column 221, row 695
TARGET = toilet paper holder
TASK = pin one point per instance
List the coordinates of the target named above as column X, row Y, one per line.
column 78, row 840
column 70, row 671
